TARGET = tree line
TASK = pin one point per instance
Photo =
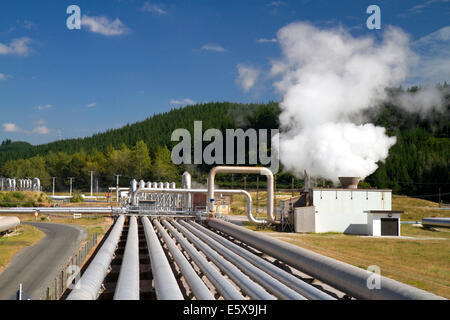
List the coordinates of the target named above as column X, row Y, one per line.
column 417, row 165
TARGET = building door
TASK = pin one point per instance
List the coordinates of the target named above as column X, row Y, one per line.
column 389, row 227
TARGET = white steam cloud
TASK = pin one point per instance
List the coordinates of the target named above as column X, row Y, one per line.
column 421, row 101
column 326, row 76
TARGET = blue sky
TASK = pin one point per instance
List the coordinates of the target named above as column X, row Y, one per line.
column 132, row 59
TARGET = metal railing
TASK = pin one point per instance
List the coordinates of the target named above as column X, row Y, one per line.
column 71, row 270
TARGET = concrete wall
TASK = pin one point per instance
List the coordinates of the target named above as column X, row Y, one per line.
column 304, row 219
column 344, row 210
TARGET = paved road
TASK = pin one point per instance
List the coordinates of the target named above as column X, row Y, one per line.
column 36, row 266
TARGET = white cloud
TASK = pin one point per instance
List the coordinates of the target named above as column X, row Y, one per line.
column 17, row 46
column 4, row 76
column 185, row 101
column 43, row 107
column 39, row 122
column 434, row 52
column 276, row 4
column 213, row 47
column 247, row 77
column 11, row 127
column 91, row 105
column 41, row 130
column 104, row 26
column 28, row 24
column 421, row 7
column 153, row 8
column 264, row 40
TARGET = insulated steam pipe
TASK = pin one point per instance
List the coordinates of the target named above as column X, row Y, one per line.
column 267, row 281
column 7, row 223
column 345, row 277
column 200, row 290
column 305, row 289
column 223, row 286
column 256, row 170
column 88, row 287
column 251, row 288
column 166, row 285
column 127, row 287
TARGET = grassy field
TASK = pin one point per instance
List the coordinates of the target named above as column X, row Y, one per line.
column 24, row 199
column 9, row 245
column 416, row 209
column 421, row 258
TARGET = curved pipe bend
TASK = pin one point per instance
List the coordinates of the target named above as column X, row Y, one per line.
column 255, row 170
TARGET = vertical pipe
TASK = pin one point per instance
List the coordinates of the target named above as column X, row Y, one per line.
column 256, row 170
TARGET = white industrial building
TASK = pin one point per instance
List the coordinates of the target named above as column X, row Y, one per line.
column 347, row 210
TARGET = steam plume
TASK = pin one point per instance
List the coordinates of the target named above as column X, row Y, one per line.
column 326, row 76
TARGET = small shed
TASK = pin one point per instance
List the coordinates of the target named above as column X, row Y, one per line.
column 383, row 222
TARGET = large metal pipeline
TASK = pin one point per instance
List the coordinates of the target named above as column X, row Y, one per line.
column 251, row 288
column 127, row 287
column 255, row 170
column 7, row 223
column 439, row 222
column 166, row 286
column 49, row 210
column 198, row 287
column 345, row 277
column 265, row 280
column 305, row 289
column 224, row 287
column 88, row 287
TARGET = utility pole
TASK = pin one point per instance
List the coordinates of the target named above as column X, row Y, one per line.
column 117, row 187
column 92, row 180
column 292, row 188
column 71, row 179
column 439, row 197
column 96, row 181
column 53, row 178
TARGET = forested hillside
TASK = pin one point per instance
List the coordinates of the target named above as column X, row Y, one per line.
column 418, row 164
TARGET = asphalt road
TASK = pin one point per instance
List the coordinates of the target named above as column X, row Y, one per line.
column 36, row 266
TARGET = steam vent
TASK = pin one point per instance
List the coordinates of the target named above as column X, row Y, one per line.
column 349, row 182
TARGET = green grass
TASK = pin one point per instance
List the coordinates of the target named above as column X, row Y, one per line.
column 415, row 209
column 10, row 245
column 23, row 199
